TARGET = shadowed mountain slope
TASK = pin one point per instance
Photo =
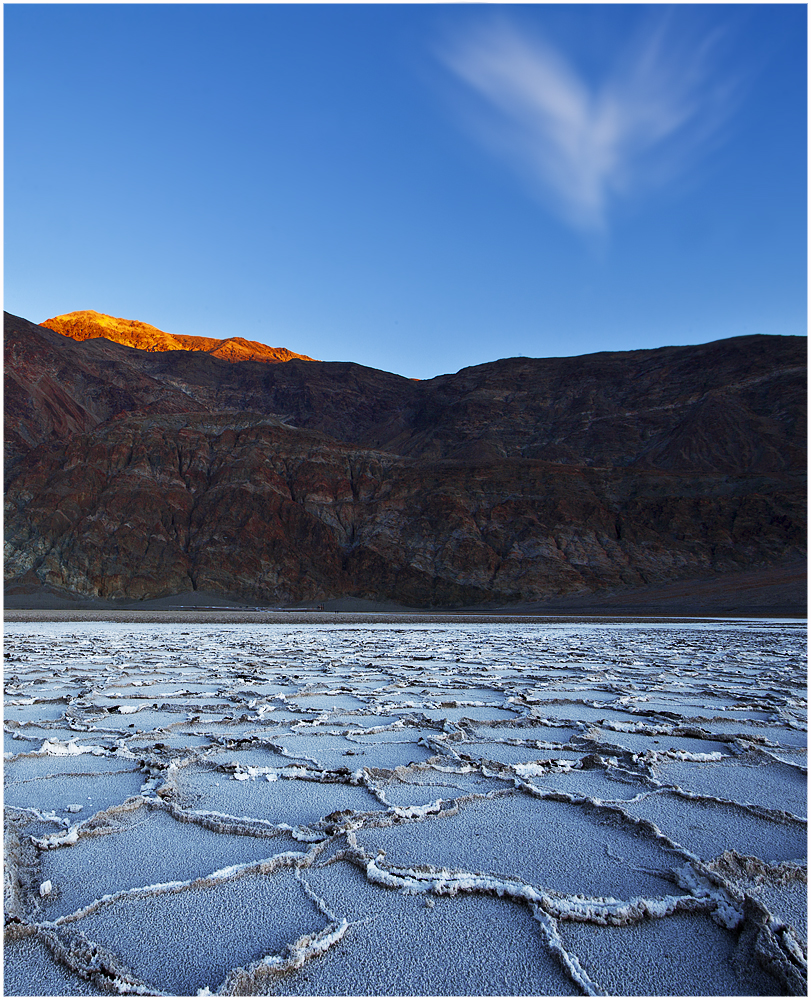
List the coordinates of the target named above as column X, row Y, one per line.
column 142, row 473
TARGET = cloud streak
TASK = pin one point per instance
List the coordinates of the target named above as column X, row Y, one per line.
column 583, row 145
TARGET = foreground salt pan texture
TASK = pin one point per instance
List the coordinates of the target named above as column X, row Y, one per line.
column 428, row 810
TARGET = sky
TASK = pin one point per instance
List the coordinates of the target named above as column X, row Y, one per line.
column 416, row 188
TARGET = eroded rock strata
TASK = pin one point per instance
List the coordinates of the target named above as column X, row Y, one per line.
column 141, row 473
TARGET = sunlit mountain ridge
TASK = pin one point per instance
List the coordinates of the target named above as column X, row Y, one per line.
column 86, row 324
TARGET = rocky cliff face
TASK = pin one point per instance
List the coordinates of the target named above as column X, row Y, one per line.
column 136, row 474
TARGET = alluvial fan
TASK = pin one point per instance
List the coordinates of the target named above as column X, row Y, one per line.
column 379, row 810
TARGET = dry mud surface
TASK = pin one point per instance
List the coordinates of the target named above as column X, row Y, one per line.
column 385, row 809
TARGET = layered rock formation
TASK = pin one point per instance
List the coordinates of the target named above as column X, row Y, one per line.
column 137, row 474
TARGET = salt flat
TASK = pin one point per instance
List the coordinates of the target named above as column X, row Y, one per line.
column 390, row 809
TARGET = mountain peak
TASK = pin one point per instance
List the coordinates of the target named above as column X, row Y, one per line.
column 87, row 324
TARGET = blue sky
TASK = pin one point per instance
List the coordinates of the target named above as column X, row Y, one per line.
column 416, row 188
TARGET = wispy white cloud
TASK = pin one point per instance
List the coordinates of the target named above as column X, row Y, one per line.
column 583, row 144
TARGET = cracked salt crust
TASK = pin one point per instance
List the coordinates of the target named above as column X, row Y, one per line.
column 471, row 809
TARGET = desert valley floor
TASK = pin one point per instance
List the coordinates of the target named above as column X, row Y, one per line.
column 380, row 809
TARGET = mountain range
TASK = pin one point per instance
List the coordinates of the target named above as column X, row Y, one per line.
column 141, row 465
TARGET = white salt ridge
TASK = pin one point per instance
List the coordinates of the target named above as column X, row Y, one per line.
column 417, row 812
column 698, row 757
column 53, row 840
column 46, row 817
column 301, row 951
column 538, row 767
column 726, row 912
column 624, row 699
column 601, row 911
column 57, row 748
